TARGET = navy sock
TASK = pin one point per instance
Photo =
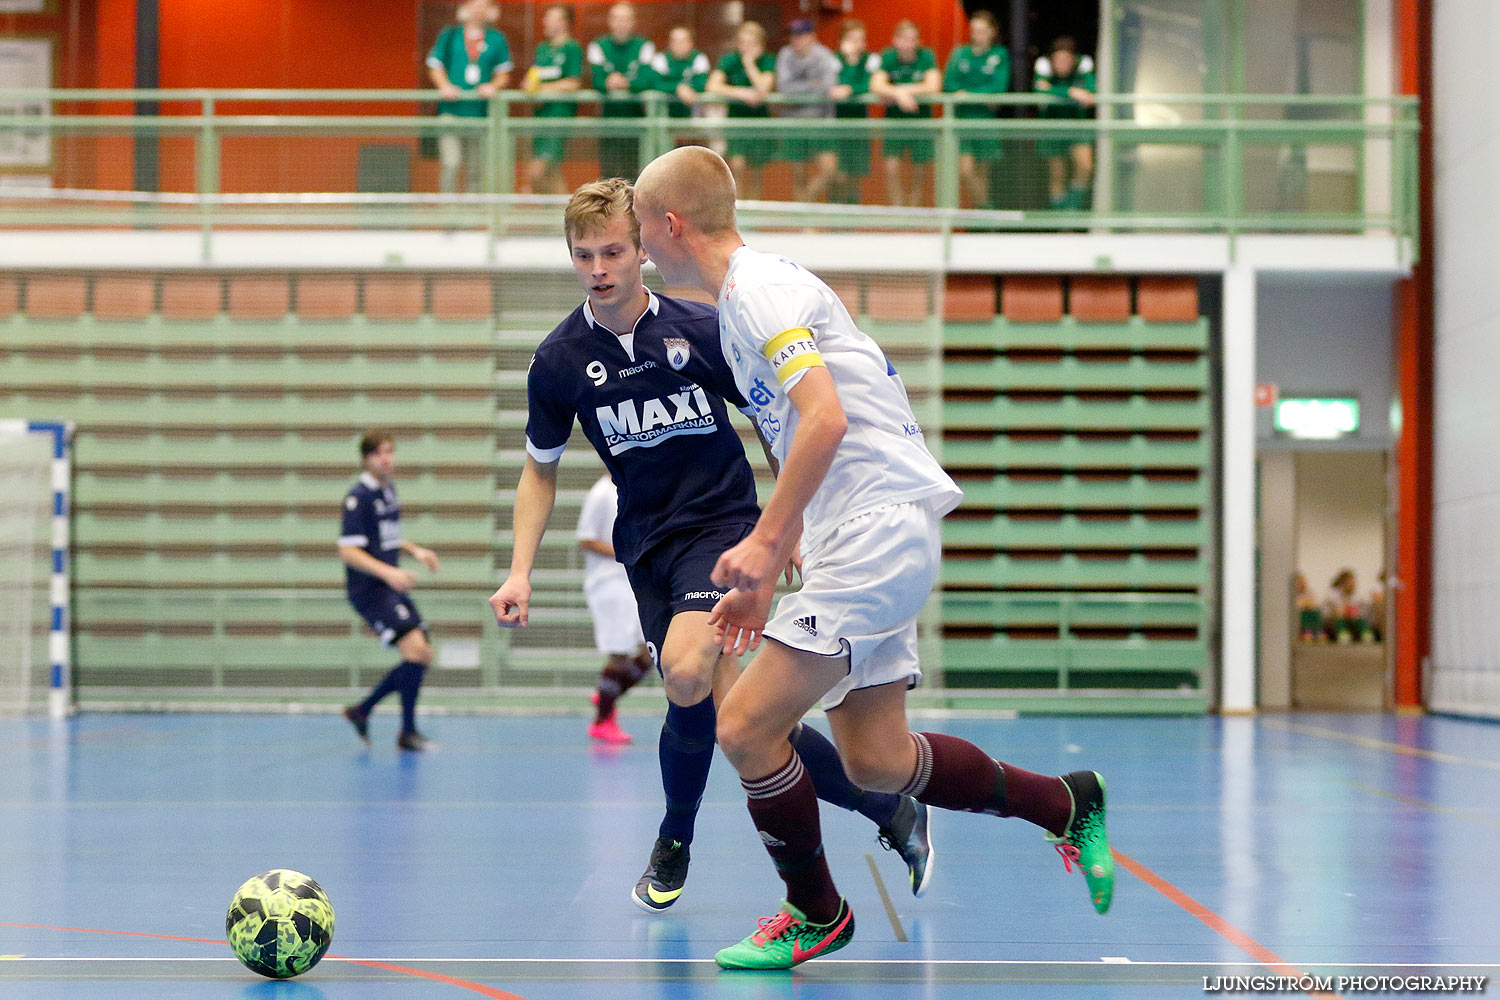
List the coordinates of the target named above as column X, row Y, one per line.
column 686, row 750
column 409, row 683
column 389, row 683
column 821, row 759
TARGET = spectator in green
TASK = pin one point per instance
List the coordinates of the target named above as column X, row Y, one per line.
column 805, row 68
column 555, row 70
column 470, row 56
column 1063, row 73
column 908, row 71
column 744, row 77
column 682, row 71
column 857, row 65
column 981, row 67
column 620, row 64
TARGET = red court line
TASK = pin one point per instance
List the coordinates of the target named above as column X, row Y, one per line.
column 1216, row 923
column 463, row 984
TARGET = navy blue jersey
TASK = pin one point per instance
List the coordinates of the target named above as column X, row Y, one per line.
column 372, row 521
column 652, row 405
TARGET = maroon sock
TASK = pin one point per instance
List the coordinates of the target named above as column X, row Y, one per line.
column 955, row 774
column 784, row 807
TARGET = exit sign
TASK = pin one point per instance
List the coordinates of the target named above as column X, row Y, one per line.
column 1317, row 419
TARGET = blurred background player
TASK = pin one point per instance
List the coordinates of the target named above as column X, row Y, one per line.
column 908, row 70
column 370, row 544
column 745, row 76
column 804, row 67
column 617, row 622
column 470, row 56
column 646, row 380
column 857, row 65
column 1063, row 73
column 554, row 70
column 981, row 67
column 620, row 66
column 682, row 71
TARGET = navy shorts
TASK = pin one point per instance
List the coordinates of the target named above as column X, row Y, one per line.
column 390, row 614
column 673, row 576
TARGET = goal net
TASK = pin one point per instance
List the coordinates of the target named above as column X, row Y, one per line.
column 33, row 566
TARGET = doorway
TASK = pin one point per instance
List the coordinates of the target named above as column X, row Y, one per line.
column 1323, row 550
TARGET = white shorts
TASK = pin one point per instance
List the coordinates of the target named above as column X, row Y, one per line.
column 862, row 589
column 617, row 623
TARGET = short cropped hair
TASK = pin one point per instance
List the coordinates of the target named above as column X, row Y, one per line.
column 695, row 183
column 756, row 29
column 987, row 18
column 372, row 440
column 1064, row 43
column 905, row 24
column 850, row 25
column 567, row 11
column 596, row 204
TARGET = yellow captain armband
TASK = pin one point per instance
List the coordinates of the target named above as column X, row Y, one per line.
column 791, row 352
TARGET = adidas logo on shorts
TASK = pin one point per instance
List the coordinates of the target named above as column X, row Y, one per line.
column 808, row 624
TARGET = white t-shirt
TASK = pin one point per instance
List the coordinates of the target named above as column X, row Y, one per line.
column 596, row 522
column 775, row 322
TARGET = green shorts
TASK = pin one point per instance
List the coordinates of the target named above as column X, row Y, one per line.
column 984, row 147
column 854, row 156
column 919, row 145
column 983, row 150
column 758, row 148
column 550, row 148
column 801, row 148
column 920, row 148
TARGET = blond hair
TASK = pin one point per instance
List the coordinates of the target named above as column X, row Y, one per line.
column 695, row 184
column 598, row 203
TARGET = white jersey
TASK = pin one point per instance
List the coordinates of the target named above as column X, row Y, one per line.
column 775, row 322
column 596, row 523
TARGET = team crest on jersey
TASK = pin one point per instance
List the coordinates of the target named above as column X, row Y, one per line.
column 677, row 352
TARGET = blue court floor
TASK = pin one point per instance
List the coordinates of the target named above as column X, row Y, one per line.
column 500, row 865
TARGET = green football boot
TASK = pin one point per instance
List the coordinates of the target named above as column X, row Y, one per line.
column 1085, row 842
column 788, row 939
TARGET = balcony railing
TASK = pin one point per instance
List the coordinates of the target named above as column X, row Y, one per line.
column 210, row 159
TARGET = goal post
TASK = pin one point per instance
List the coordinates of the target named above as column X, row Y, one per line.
column 35, row 580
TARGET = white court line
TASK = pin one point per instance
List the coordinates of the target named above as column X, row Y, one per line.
column 821, row 962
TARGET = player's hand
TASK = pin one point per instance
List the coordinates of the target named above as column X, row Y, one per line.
column 794, row 565
column 449, row 92
column 841, row 91
column 427, row 558
column 617, row 81
column 739, row 619
column 746, row 566
column 487, row 90
column 905, row 101
column 512, row 603
column 400, row 580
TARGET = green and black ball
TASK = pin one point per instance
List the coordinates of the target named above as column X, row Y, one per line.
column 280, row 923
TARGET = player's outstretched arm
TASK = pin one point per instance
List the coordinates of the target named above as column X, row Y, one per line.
column 423, row 555
column 398, row 579
column 821, row 424
column 536, row 494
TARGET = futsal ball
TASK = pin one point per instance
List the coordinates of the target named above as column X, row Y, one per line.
column 280, row 923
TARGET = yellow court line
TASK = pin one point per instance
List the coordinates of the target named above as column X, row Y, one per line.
column 1467, row 815
column 1369, row 743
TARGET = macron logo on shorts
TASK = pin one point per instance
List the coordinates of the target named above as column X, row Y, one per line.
column 808, row 624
